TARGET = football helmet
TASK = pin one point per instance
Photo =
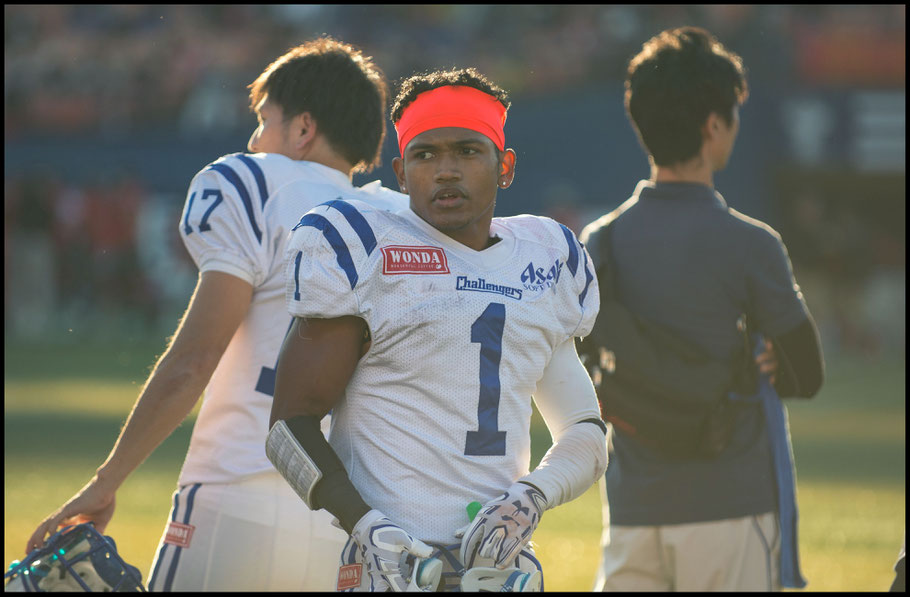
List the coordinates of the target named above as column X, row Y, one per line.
column 76, row 558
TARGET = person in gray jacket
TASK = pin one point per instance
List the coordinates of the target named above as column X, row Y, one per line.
column 687, row 261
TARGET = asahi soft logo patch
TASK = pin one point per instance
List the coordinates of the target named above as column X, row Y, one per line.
column 400, row 259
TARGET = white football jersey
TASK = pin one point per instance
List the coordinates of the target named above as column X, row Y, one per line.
column 237, row 216
column 438, row 412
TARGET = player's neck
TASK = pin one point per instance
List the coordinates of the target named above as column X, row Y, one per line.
column 322, row 153
column 473, row 238
column 697, row 170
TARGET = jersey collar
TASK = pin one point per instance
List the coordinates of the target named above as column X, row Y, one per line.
column 488, row 258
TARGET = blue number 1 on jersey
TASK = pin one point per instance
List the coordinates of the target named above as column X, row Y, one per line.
column 487, row 331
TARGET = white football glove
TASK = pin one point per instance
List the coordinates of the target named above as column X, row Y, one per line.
column 493, row 580
column 385, row 547
column 503, row 526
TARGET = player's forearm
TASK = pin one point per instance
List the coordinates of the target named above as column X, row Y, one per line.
column 306, row 460
column 169, row 395
column 566, row 400
column 316, row 363
column 572, row 464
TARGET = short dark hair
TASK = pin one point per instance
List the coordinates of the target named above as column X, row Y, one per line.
column 674, row 83
column 414, row 85
column 341, row 89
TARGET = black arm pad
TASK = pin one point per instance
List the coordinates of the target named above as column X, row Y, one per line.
column 802, row 367
column 596, row 421
column 334, row 492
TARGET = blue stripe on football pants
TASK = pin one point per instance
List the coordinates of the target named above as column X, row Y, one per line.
column 178, row 550
column 163, row 551
column 172, row 568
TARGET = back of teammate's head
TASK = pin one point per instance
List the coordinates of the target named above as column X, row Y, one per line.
column 679, row 78
column 342, row 89
column 414, row 85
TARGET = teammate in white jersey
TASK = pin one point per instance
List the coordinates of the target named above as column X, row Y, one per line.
column 427, row 332
column 321, row 110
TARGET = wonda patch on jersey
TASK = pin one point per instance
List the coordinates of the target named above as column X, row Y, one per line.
column 400, row 259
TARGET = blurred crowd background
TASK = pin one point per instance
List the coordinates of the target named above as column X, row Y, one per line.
column 110, row 110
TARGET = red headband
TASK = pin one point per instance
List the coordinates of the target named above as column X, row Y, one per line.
column 453, row 105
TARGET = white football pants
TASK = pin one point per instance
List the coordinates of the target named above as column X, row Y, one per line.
column 256, row 535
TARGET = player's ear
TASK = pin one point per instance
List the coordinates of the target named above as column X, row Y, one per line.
column 507, row 161
column 303, row 128
column 398, row 167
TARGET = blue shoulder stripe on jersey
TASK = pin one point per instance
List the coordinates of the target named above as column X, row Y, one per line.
column 357, row 222
column 257, row 174
column 588, row 277
column 573, row 250
column 342, row 254
column 235, row 180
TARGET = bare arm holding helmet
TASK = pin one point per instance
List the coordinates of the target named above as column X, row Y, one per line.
column 218, row 305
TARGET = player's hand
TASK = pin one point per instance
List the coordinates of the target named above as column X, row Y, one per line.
column 767, row 362
column 503, row 526
column 385, row 547
column 93, row 503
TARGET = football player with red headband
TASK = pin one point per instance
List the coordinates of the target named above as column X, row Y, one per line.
column 427, row 332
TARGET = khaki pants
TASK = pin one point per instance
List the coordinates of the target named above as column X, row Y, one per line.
column 738, row 554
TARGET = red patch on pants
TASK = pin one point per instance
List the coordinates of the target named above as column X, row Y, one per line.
column 179, row 534
column 349, row 576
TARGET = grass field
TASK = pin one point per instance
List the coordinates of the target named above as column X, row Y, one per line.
column 63, row 408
